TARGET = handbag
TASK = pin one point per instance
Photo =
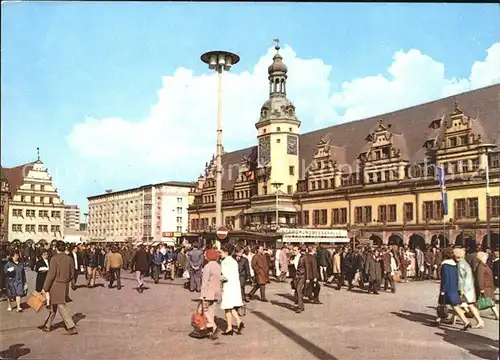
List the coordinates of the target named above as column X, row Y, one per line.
column 36, row 301
column 484, row 302
column 395, row 277
column 442, row 308
column 185, row 275
column 242, row 310
column 198, row 319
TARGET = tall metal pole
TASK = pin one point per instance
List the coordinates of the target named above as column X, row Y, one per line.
column 219, row 61
column 218, row 180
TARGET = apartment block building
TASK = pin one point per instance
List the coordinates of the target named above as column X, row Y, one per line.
column 72, row 217
column 146, row 213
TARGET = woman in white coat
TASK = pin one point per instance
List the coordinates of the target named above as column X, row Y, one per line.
column 231, row 291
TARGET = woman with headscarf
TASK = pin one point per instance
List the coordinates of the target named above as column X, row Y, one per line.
column 484, row 280
column 210, row 290
column 15, row 275
column 231, row 290
column 449, row 288
column 466, row 285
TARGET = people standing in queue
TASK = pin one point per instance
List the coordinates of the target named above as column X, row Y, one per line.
column 195, row 264
column 41, row 268
column 56, row 284
column 260, row 267
column 141, row 263
column 231, row 290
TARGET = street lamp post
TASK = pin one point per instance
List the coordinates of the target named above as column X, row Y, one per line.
column 219, row 61
column 488, row 201
column 277, row 186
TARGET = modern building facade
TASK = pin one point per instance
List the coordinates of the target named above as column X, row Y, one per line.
column 147, row 213
column 72, row 217
column 374, row 177
column 35, row 209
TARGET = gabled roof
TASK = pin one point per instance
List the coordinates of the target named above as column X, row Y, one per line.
column 15, row 175
column 411, row 126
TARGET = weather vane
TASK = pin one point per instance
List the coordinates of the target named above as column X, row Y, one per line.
column 277, row 41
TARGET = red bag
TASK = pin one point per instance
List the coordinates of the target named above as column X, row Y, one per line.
column 198, row 319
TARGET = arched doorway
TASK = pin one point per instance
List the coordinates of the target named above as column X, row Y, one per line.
column 465, row 240
column 376, row 240
column 495, row 241
column 415, row 241
column 395, row 239
column 443, row 241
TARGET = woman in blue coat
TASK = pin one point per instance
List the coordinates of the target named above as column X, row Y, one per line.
column 15, row 280
column 449, row 287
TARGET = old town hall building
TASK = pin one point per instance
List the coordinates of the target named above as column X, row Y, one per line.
column 374, row 177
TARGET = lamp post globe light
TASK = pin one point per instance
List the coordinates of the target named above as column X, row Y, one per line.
column 219, row 61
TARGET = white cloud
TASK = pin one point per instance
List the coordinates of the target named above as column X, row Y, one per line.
column 179, row 134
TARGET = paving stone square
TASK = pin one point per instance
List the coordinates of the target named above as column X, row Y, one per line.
column 155, row 325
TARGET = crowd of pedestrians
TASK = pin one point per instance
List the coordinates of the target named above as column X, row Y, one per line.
column 468, row 277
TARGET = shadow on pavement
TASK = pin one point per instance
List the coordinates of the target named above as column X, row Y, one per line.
column 76, row 318
column 313, row 349
column 424, row 319
column 286, row 296
column 284, row 305
column 14, row 352
column 150, row 281
column 477, row 345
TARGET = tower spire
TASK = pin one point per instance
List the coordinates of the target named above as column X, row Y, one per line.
column 277, row 74
column 277, row 41
column 38, row 153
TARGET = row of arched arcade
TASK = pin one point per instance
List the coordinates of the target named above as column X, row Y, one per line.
column 464, row 239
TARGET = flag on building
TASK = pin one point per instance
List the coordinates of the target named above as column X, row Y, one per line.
column 441, row 177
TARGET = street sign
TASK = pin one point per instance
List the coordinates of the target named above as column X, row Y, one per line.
column 222, row 232
column 167, row 234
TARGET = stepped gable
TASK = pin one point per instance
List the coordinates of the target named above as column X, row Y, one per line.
column 230, row 165
column 482, row 105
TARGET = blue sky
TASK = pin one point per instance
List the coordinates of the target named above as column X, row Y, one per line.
column 65, row 62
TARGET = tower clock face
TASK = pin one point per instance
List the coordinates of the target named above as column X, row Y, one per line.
column 264, row 150
column 292, row 145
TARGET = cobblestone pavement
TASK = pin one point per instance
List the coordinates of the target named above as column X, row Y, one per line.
column 154, row 325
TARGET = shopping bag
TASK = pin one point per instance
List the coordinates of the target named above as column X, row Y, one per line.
column 185, row 275
column 395, row 277
column 484, row 302
column 198, row 319
column 36, row 301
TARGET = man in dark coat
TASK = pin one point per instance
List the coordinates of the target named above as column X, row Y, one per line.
column 61, row 270
column 141, row 262
column 195, row 265
column 349, row 268
column 373, row 270
column 325, row 261
column 301, row 272
column 243, row 270
column 312, row 287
